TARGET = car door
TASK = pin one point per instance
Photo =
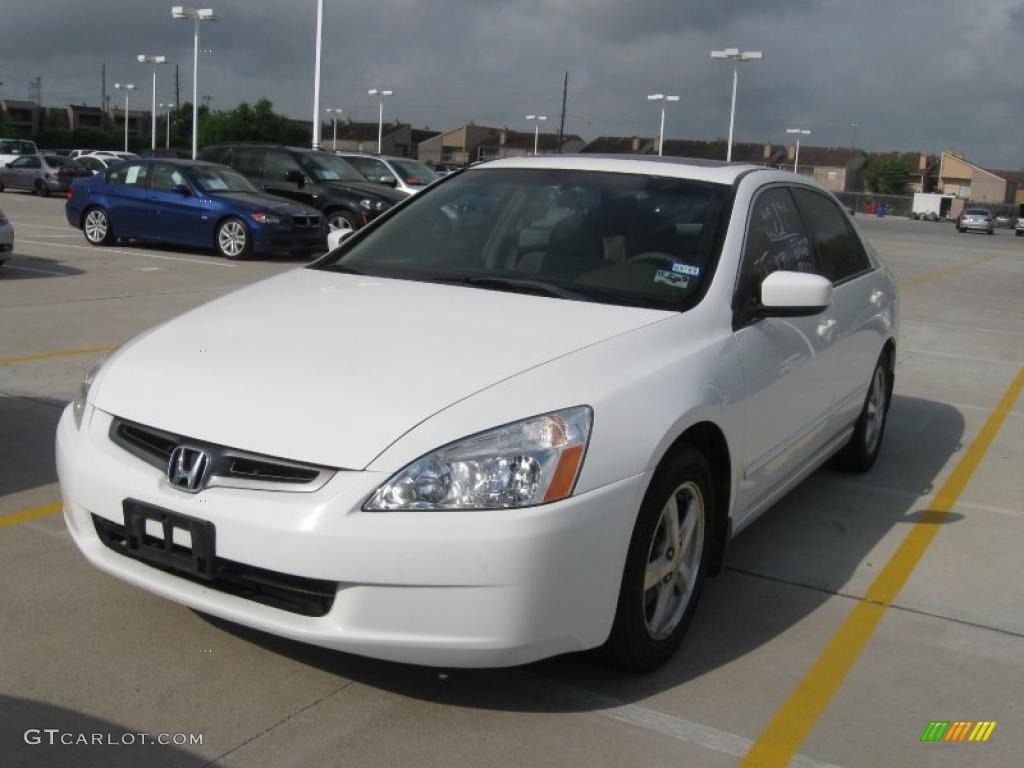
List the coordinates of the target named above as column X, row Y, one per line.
column 789, row 371
column 861, row 300
column 127, row 202
column 9, row 172
column 282, row 176
column 175, row 215
column 23, row 172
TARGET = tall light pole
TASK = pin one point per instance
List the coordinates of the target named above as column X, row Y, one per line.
column 661, row 97
column 168, row 137
column 145, row 58
column 335, row 111
column 737, row 57
column 197, row 15
column 127, row 88
column 853, row 135
column 799, row 132
column 380, row 93
column 316, row 73
column 536, row 130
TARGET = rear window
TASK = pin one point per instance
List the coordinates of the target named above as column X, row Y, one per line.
column 54, row 161
column 977, row 212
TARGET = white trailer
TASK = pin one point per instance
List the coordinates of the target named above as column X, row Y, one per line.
column 926, row 203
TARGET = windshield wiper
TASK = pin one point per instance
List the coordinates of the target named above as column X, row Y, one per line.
column 514, row 285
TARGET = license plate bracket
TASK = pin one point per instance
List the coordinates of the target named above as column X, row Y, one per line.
column 199, row 560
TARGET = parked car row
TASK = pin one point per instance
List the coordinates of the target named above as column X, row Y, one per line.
column 42, row 174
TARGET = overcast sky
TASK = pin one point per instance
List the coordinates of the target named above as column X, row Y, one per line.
column 914, row 74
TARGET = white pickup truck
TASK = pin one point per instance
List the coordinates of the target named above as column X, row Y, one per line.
column 13, row 148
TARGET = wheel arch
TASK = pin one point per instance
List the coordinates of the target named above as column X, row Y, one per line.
column 709, row 438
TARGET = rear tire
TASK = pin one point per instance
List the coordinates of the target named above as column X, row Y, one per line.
column 860, row 453
column 233, row 240
column 97, row 228
column 41, row 189
column 343, row 220
column 666, row 563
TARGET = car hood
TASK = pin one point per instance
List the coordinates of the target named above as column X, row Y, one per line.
column 331, row 368
column 258, row 201
column 367, row 188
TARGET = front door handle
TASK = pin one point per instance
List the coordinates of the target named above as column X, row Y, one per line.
column 825, row 327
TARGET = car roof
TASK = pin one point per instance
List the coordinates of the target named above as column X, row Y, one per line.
column 717, row 171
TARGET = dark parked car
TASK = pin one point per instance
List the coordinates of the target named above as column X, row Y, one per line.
column 321, row 179
column 192, row 203
column 42, row 174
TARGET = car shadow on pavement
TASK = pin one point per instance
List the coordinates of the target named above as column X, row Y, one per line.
column 27, row 457
column 196, row 252
column 817, row 543
column 29, row 726
column 35, row 268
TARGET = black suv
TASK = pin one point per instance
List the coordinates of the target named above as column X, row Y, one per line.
column 318, row 179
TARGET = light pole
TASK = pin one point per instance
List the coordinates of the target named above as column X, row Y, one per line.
column 145, row 58
column 799, row 132
column 168, row 136
column 127, row 88
column 536, row 130
column 737, row 57
column 197, row 15
column 661, row 97
column 335, row 111
column 853, row 135
column 316, row 73
column 380, row 93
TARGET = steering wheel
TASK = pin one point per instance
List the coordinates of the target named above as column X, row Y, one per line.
column 652, row 257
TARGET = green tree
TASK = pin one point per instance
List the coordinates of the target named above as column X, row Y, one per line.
column 257, row 122
column 887, row 176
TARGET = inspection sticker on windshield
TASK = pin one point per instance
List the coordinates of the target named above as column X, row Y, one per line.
column 686, row 269
column 671, row 278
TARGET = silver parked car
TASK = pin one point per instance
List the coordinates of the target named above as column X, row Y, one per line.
column 43, row 174
column 6, row 238
column 976, row 220
column 401, row 173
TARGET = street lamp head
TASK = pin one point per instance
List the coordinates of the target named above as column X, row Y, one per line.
column 737, row 55
column 732, row 53
column 206, row 14
column 801, row 131
column 125, row 86
column 178, row 12
column 671, row 98
column 381, row 92
column 144, row 58
column 751, row 56
column 656, row 97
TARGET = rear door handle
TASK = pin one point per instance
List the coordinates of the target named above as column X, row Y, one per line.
column 826, row 327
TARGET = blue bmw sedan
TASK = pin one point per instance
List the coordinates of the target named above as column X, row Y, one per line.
column 191, row 203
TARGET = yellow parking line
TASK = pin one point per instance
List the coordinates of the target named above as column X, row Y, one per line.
column 786, row 731
column 6, row 521
column 943, row 272
column 51, row 355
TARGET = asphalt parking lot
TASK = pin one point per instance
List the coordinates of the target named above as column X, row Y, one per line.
column 851, row 615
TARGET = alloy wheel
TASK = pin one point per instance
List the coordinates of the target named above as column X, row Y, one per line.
column 674, row 560
column 874, row 414
column 337, row 222
column 231, row 238
column 96, row 226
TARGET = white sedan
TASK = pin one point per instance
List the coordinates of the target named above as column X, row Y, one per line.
column 521, row 414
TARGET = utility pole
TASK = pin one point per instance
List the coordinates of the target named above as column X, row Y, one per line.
column 177, row 91
column 561, row 125
column 103, row 91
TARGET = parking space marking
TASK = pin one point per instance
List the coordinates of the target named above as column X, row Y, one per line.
column 932, row 276
column 98, row 251
column 793, row 721
column 18, row 268
column 991, row 360
column 6, row 521
column 51, row 355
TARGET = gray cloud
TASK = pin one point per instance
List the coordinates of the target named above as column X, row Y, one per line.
column 926, row 75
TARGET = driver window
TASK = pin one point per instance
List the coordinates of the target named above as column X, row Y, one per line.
column 776, row 240
column 279, row 164
column 166, row 178
column 373, row 170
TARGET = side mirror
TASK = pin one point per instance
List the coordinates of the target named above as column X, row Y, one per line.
column 181, row 189
column 390, row 181
column 335, row 236
column 295, row 177
column 794, row 294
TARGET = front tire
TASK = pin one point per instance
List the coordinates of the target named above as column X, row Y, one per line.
column 41, row 189
column 343, row 220
column 666, row 563
column 233, row 239
column 97, row 228
column 860, row 453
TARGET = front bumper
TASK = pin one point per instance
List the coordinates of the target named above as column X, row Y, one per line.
column 464, row 589
column 289, row 240
column 977, row 226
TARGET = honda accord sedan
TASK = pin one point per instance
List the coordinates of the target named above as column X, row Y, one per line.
column 522, row 414
column 190, row 203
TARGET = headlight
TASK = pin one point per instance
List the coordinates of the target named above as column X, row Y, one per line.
column 78, row 404
column 522, row 464
column 373, row 205
column 265, row 218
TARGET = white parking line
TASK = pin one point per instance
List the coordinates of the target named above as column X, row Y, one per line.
column 23, row 225
column 100, row 251
column 651, row 720
column 993, row 360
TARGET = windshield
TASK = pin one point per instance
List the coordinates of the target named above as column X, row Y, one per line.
column 611, row 237
column 326, row 167
column 220, row 180
column 415, row 173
